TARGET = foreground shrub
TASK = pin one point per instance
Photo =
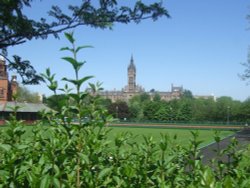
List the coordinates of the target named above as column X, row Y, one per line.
column 54, row 156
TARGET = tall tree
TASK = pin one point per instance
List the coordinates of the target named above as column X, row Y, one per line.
column 150, row 109
column 25, row 95
column 187, row 94
column 245, row 111
column 223, row 108
column 119, row 110
column 156, row 97
column 246, row 74
column 135, row 110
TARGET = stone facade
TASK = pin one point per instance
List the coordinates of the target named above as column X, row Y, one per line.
column 132, row 89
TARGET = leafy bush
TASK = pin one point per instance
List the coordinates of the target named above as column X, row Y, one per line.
column 77, row 153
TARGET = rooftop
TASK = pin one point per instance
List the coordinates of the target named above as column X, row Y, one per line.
column 24, row 107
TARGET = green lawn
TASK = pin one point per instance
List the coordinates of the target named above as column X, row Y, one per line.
column 183, row 135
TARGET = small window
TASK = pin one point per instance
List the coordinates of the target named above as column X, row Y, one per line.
column 1, row 92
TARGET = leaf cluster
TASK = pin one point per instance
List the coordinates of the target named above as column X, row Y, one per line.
column 245, row 76
column 17, row 28
column 24, row 69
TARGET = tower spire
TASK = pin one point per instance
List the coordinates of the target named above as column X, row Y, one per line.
column 131, row 75
column 132, row 65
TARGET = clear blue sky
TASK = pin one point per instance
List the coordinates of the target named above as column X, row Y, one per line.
column 200, row 47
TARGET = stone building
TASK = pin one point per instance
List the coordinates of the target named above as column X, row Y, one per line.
column 132, row 89
column 26, row 111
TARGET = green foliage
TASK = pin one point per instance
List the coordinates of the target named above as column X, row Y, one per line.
column 17, row 28
column 78, row 154
column 150, row 109
column 25, row 95
column 187, row 94
column 224, row 109
column 245, row 110
column 86, row 158
column 57, row 102
column 119, row 110
column 245, row 76
column 157, row 97
column 25, row 70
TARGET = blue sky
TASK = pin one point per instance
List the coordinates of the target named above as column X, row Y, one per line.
column 200, row 47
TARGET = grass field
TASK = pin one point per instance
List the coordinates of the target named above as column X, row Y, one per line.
column 183, row 135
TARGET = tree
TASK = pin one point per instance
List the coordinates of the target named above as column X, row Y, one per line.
column 246, row 75
column 162, row 114
column 136, row 110
column 187, row 94
column 56, row 102
column 185, row 112
column 25, row 70
column 106, row 102
column 157, row 97
column 204, row 109
column 17, row 28
column 235, row 112
column 150, row 109
column 144, row 97
column 25, row 95
column 245, row 111
column 119, row 109
column 223, row 108
column 134, row 105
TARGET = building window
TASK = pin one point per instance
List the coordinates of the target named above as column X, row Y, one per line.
column 1, row 93
column 131, row 80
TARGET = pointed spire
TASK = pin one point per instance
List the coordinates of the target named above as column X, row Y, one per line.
column 132, row 65
column 132, row 59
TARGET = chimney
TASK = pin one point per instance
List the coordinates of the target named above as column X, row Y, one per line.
column 14, row 85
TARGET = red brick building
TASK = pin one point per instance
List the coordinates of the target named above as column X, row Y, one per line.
column 7, row 88
column 28, row 112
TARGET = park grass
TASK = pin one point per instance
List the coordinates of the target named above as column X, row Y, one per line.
column 183, row 135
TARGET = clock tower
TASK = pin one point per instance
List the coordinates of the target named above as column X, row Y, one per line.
column 131, row 76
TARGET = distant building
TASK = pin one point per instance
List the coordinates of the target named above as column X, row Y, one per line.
column 206, row 97
column 132, row 89
column 26, row 111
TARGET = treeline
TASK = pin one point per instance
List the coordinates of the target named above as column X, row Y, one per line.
column 186, row 109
